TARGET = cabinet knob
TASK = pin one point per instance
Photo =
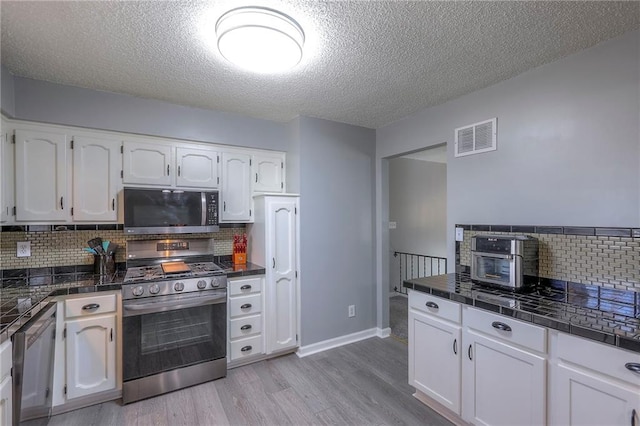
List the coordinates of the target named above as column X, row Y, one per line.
column 61, row 203
column 633, row 367
column 470, row 354
column 500, row 326
column 113, row 204
column 178, row 170
column 90, row 307
column 455, row 346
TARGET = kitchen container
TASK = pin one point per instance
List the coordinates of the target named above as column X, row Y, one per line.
column 104, row 264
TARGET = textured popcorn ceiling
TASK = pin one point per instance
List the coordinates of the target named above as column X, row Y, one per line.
column 366, row 63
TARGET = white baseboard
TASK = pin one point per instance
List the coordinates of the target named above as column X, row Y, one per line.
column 315, row 348
column 383, row 333
column 395, row 293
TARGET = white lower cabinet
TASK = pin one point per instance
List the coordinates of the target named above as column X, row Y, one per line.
column 245, row 310
column 490, row 370
column 87, row 365
column 6, row 384
column 434, row 350
column 592, row 383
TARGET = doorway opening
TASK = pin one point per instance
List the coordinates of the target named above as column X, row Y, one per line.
column 417, row 225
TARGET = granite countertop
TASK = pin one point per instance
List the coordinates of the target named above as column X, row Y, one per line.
column 606, row 315
column 18, row 302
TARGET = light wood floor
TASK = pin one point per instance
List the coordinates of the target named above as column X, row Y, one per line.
column 364, row 383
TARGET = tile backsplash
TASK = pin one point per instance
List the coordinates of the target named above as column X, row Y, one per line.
column 603, row 260
column 62, row 248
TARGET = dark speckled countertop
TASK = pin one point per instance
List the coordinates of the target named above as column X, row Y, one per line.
column 602, row 314
column 31, row 297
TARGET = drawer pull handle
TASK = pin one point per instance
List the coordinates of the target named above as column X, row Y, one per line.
column 633, row 417
column 633, row 366
column 246, row 327
column 90, row 307
column 469, row 353
column 245, row 306
column 500, row 326
column 245, row 287
column 455, row 346
column 432, row 305
column 246, row 348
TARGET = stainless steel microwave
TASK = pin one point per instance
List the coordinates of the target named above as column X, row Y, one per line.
column 169, row 211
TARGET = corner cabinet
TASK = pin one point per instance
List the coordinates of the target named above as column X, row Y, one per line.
column 267, row 171
column 87, row 365
column 274, row 242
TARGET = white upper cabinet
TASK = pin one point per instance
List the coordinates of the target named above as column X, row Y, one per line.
column 96, row 180
column 197, row 167
column 267, row 172
column 7, row 200
column 236, row 187
column 147, row 163
column 42, row 176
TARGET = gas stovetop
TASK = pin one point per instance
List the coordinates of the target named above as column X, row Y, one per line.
column 155, row 272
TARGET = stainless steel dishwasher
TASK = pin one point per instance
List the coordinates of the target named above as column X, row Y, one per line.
column 33, row 346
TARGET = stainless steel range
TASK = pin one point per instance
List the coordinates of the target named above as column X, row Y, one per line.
column 174, row 317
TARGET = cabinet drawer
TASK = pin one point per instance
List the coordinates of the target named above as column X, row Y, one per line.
column 245, row 286
column 242, row 327
column 90, row 305
column 605, row 359
column 435, row 306
column 251, row 346
column 520, row 333
column 245, row 305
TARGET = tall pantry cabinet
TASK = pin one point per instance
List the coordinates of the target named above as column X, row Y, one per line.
column 274, row 242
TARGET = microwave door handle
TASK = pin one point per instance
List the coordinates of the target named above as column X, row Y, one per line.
column 203, row 199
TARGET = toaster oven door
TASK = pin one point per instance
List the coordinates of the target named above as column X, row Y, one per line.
column 494, row 268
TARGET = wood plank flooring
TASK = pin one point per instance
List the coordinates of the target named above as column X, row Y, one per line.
column 364, row 383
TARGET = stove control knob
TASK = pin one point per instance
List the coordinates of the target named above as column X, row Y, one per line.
column 202, row 284
column 215, row 283
column 178, row 286
column 154, row 289
column 137, row 291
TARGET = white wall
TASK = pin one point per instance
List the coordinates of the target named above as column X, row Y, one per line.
column 7, row 95
column 55, row 103
column 336, row 214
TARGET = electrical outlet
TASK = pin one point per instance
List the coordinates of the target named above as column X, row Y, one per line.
column 352, row 311
column 23, row 249
column 459, row 234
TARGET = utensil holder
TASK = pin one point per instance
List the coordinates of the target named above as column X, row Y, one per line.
column 104, row 264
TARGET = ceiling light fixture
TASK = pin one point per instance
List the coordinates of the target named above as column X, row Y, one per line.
column 260, row 39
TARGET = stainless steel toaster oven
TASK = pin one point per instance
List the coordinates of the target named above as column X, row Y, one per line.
column 509, row 261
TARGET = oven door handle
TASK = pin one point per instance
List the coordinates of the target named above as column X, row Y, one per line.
column 131, row 309
column 493, row 255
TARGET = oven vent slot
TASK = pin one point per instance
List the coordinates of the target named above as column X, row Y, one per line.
column 476, row 138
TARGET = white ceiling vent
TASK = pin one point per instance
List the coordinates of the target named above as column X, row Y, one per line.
column 476, row 138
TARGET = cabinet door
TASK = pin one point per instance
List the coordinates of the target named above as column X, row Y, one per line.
column 267, row 173
column 6, row 401
column 503, row 385
column 41, row 175
column 236, row 187
column 197, row 168
column 147, row 164
column 6, row 175
column 96, row 169
column 281, row 287
column 434, row 359
column 587, row 398
column 91, row 355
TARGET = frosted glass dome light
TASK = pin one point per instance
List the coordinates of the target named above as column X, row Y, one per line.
column 260, row 39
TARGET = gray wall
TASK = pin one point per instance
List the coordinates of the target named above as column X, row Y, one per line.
column 7, row 95
column 418, row 205
column 336, row 176
column 54, row 103
column 568, row 145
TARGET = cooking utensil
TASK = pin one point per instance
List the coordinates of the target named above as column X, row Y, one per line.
column 96, row 244
column 89, row 250
column 105, row 244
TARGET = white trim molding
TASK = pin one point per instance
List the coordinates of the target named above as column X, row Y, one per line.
column 315, row 348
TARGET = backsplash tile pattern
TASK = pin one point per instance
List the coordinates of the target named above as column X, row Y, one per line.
column 602, row 260
column 62, row 248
